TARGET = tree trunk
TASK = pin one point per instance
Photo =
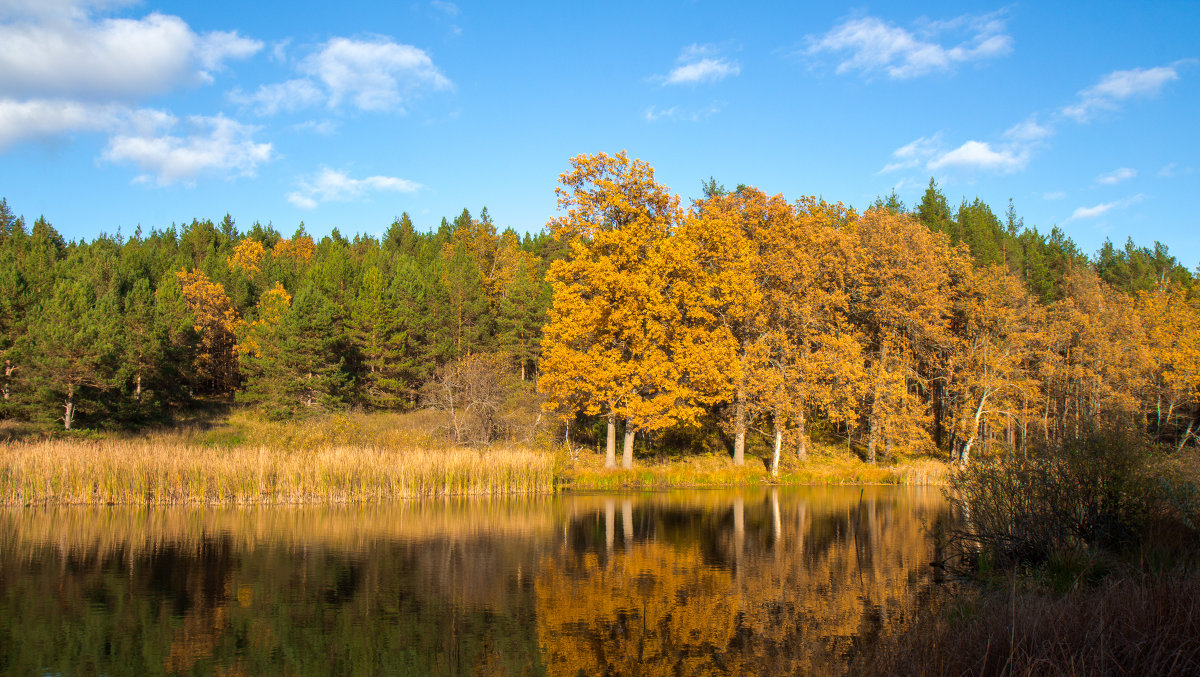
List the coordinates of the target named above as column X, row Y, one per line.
column 69, row 408
column 873, row 435
column 739, row 427
column 137, row 392
column 627, row 452
column 801, row 441
column 778, row 447
column 610, row 449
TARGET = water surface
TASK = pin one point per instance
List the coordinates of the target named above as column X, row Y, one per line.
column 688, row 582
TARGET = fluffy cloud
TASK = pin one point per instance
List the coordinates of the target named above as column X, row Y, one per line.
column 1116, row 176
column 1119, row 86
column 981, row 155
column 288, row 96
column 331, row 185
column 700, row 64
column 371, row 75
column 85, row 58
column 1013, row 155
column 208, row 145
column 869, row 45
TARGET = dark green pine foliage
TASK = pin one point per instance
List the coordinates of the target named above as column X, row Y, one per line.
column 981, row 231
column 1133, row 269
column 934, row 212
column 522, row 314
column 144, row 344
column 458, row 306
column 380, row 337
column 74, row 345
column 1046, row 260
column 297, row 369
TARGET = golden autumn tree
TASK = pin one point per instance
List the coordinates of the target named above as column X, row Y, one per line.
column 1172, row 322
column 246, row 256
column 902, row 292
column 615, row 343
column 772, row 279
column 990, row 372
column 215, row 321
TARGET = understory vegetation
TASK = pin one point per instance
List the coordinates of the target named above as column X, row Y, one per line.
column 1080, row 559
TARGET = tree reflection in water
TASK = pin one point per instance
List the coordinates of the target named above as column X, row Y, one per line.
column 726, row 583
column 701, row 582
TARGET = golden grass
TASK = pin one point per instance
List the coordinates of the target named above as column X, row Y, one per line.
column 173, row 471
column 588, row 472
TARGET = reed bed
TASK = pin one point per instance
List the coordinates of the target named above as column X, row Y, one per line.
column 175, row 470
column 1128, row 626
column 588, row 472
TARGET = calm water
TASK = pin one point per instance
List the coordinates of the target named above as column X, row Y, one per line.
column 679, row 583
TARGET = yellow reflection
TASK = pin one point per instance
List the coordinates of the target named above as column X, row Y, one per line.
column 775, row 583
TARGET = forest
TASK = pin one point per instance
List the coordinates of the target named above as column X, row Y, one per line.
column 740, row 318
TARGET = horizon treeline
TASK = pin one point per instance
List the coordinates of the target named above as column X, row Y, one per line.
column 888, row 329
column 125, row 332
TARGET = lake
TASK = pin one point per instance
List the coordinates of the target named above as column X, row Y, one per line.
column 754, row 581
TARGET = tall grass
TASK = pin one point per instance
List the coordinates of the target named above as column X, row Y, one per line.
column 708, row 470
column 1145, row 626
column 171, row 471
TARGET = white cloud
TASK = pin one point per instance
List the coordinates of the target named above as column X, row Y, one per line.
column 1103, row 208
column 869, row 45
column 1116, row 176
column 914, row 153
column 980, row 155
column 1028, row 131
column 331, row 185
column 211, row 145
column 675, row 113
column 700, row 64
column 83, row 58
column 30, row 120
column 373, row 75
column 1119, row 86
column 289, row 96
column 214, row 48
column 448, row 8
column 1054, row 195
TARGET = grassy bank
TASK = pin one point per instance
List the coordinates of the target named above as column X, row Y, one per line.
column 242, row 460
column 237, row 458
column 587, row 472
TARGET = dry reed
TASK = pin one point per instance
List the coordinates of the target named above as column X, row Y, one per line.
column 174, row 470
column 1143, row 626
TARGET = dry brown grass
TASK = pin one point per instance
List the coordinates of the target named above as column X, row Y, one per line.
column 176, row 471
column 708, row 470
column 1143, row 626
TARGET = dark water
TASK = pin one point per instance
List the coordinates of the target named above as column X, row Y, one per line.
column 680, row 583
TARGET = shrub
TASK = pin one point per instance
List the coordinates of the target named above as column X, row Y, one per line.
column 1094, row 492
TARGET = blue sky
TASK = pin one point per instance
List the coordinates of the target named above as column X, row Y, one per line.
column 115, row 114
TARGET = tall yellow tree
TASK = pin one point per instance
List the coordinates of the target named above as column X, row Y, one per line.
column 994, row 351
column 617, row 343
column 902, row 301
column 1172, row 324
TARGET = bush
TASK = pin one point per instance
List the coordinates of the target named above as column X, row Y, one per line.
column 1095, row 492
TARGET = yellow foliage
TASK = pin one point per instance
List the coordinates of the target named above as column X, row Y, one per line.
column 246, row 256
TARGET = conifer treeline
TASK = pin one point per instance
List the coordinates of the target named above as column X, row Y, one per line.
column 889, row 329
column 121, row 332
